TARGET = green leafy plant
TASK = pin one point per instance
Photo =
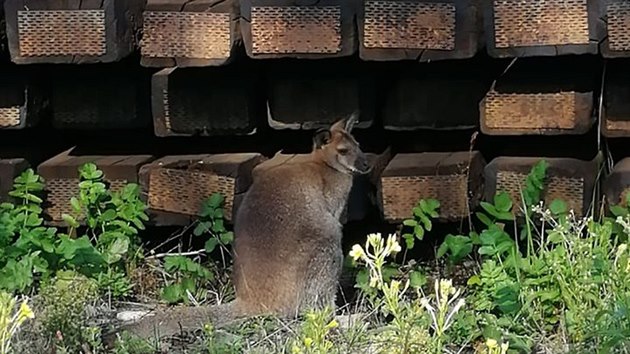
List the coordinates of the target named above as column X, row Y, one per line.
column 113, row 218
column 211, row 221
column 30, row 251
column 421, row 220
column 27, row 249
column 313, row 337
column 189, row 277
column 493, row 240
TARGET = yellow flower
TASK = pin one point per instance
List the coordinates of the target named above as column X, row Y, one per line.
column 374, row 239
column 308, row 342
column 491, row 343
column 393, row 246
column 356, row 252
column 332, row 324
column 25, row 311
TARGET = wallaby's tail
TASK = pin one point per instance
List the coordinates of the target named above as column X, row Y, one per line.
column 168, row 322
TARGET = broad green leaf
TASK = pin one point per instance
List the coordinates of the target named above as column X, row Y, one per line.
column 33, row 220
column 502, row 202
column 227, row 238
column 172, row 293
column 117, row 249
column 486, row 250
column 389, row 271
column 426, row 221
column 419, row 232
column 216, row 200
column 460, row 246
column 617, row 210
column 70, row 220
column 108, row 215
column 505, row 216
column 33, row 198
column 187, row 284
column 474, row 280
column 417, row 279
column 173, row 263
column 484, row 218
column 441, row 251
column 489, row 208
column 217, row 226
column 410, row 222
column 558, row 207
column 409, row 240
column 211, row 244
column 362, row 278
column 201, row 228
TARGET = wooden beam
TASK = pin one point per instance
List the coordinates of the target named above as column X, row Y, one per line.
column 421, row 30
column 517, row 28
column 298, row 29
column 189, row 33
column 72, row 31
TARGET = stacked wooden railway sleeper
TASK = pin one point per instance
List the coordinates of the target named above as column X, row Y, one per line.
column 187, row 74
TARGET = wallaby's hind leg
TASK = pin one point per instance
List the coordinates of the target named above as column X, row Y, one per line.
column 322, row 278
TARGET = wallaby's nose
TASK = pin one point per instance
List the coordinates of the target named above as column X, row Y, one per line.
column 362, row 163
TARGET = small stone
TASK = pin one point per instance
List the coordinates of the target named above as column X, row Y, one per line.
column 131, row 316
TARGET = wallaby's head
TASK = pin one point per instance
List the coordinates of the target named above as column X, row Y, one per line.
column 338, row 149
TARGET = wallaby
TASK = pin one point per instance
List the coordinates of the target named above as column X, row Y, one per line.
column 287, row 247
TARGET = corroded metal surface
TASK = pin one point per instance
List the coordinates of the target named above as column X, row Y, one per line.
column 204, row 35
column 61, row 32
column 296, row 29
column 540, row 23
column 618, row 14
column 413, row 25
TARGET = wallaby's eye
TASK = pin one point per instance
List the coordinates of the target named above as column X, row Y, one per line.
column 343, row 151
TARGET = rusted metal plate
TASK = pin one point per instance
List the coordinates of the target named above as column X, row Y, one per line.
column 296, row 29
column 202, row 35
column 184, row 192
column 516, row 28
column 617, row 41
column 10, row 117
column 618, row 15
column 406, row 24
column 535, row 113
column 542, row 22
column 71, row 32
column 452, row 178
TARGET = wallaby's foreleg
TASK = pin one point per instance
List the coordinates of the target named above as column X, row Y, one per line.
column 322, row 278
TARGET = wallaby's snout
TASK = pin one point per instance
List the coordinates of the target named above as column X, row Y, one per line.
column 361, row 164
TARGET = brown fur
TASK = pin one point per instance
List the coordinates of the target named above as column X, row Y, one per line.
column 287, row 247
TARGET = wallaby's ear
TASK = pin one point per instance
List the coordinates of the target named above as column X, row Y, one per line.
column 351, row 121
column 346, row 124
column 320, row 138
